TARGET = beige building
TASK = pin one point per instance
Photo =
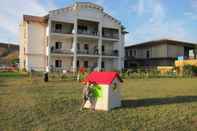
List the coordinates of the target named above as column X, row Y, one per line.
column 81, row 35
column 158, row 53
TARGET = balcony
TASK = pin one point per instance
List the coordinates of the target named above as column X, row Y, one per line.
column 88, row 28
column 62, row 28
column 110, row 33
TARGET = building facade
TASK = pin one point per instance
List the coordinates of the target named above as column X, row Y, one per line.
column 80, row 35
column 158, row 53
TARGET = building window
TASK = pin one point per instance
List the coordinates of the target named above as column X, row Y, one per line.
column 103, row 48
column 24, row 63
column 135, row 52
column 58, row 63
column 24, row 51
column 78, row 46
column 58, row 27
column 131, row 53
column 103, row 65
column 78, row 64
column 58, row 45
column 86, row 48
column 82, row 28
column 86, row 64
column 147, row 54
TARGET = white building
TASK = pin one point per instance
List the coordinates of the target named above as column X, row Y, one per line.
column 81, row 35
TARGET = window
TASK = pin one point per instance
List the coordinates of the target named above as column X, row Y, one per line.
column 78, row 46
column 86, row 64
column 58, row 63
column 82, row 27
column 147, row 54
column 58, row 27
column 103, row 48
column 24, row 63
column 78, row 64
column 135, row 52
column 58, row 45
column 24, row 51
column 86, row 47
column 103, row 65
column 131, row 53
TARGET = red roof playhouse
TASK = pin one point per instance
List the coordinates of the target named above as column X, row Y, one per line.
column 107, row 90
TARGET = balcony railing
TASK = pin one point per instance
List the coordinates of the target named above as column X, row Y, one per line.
column 61, row 31
column 88, row 32
column 111, row 35
column 87, row 52
column 61, row 51
column 111, row 53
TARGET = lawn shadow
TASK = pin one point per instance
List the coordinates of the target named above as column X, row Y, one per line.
column 158, row 101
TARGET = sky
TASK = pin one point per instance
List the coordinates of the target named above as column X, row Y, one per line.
column 145, row 20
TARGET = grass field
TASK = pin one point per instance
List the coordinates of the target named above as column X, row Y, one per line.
column 148, row 104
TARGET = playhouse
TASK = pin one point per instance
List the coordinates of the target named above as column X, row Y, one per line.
column 106, row 90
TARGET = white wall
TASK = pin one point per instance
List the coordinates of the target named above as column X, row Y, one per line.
column 114, row 95
column 36, row 38
column 35, row 62
column 90, row 14
column 36, row 46
column 62, row 16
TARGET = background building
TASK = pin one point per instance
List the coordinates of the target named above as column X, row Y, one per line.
column 81, row 35
column 158, row 53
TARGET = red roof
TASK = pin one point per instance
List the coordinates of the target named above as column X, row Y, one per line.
column 102, row 77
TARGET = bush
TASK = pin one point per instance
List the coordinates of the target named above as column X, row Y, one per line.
column 189, row 70
column 142, row 73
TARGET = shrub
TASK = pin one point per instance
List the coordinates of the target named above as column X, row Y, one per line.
column 189, row 70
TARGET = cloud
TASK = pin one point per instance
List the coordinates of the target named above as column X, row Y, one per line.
column 138, row 7
column 194, row 4
column 11, row 12
column 192, row 13
column 158, row 26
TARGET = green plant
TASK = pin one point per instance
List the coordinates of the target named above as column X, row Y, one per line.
column 189, row 70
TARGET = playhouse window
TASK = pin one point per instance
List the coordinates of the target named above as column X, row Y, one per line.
column 114, row 87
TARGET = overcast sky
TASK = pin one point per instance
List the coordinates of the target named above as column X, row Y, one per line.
column 144, row 19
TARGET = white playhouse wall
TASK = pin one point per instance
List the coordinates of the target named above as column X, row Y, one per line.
column 103, row 102
column 114, row 95
column 110, row 98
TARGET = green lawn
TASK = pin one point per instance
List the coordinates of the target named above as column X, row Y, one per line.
column 149, row 104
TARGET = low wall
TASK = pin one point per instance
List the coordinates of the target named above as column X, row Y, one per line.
column 181, row 63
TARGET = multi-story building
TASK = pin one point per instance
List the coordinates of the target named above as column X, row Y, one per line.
column 81, row 35
column 158, row 53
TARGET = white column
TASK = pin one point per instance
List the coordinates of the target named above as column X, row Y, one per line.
column 121, row 46
column 74, row 48
column 100, row 46
column 48, row 49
